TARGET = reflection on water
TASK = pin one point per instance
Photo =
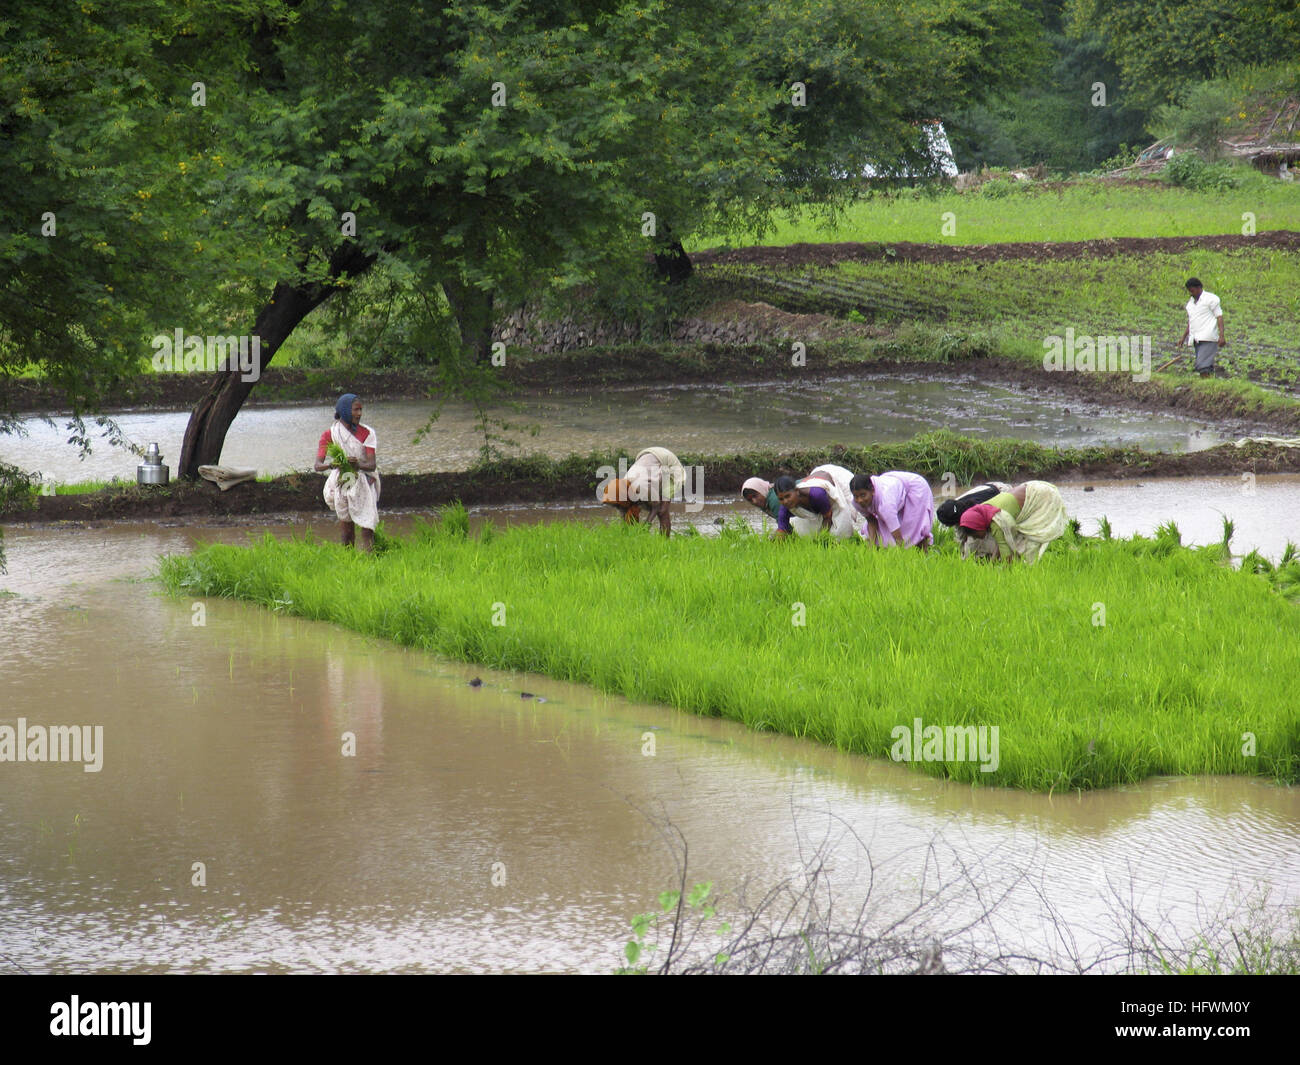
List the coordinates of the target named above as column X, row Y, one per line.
column 359, row 807
column 703, row 419
column 1262, row 509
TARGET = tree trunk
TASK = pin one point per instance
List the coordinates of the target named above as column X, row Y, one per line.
column 673, row 263
column 471, row 305
column 290, row 304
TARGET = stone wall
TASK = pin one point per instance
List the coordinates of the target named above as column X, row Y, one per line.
column 523, row 328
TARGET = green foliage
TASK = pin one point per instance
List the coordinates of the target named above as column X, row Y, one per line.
column 649, row 928
column 1000, row 188
column 1190, row 171
column 1057, row 119
column 17, row 492
column 1095, row 706
column 390, row 318
column 1163, row 46
column 1125, row 155
column 1199, row 119
column 101, row 135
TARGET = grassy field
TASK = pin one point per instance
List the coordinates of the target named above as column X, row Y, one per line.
column 1190, row 655
column 1090, row 210
column 1125, row 294
column 1025, row 301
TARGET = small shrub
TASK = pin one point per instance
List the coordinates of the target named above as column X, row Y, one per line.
column 1189, row 171
column 17, row 488
column 999, row 188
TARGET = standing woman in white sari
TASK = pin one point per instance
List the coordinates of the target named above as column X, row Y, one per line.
column 354, row 497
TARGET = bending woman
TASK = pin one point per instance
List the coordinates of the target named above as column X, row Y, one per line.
column 354, row 497
column 1016, row 524
column 761, row 494
column 898, row 507
column 949, row 512
column 822, row 500
column 654, row 478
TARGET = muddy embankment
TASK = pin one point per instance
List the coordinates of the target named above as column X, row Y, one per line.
column 540, row 481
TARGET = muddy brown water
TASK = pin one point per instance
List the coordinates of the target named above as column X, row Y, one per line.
column 702, row 419
column 223, row 744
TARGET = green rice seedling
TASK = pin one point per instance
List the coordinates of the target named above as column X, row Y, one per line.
column 736, row 527
column 1254, row 562
column 453, row 519
column 384, row 541
column 838, row 642
column 86, row 487
column 339, row 458
column 1103, row 527
column 1169, row 531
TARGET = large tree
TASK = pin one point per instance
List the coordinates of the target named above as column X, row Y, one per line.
column 503, row 147
column 1059, row 118
column 495, row 149
column 106, row 237
column 87, row 190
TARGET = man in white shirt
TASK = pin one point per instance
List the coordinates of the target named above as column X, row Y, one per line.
column 1204, row 326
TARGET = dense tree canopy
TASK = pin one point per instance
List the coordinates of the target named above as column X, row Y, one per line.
column 226, row 167
column 1162, row 46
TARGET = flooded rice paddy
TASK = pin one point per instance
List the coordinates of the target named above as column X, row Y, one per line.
column 702, row 419
column 478, row 830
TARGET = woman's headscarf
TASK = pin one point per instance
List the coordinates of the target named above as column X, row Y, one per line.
column 343, row 409
column 949, row 512
column 771, row 504
column 978, row 518
column 617, row 493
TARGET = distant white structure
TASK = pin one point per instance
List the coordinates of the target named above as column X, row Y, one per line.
column 938, row 148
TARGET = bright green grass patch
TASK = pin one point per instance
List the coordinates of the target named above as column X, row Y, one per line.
column 1192, row 654
column 1120, row 295
column 1082, row 211
column 80, row 488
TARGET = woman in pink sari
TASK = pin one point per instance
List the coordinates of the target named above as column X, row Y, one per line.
column 898, row 508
